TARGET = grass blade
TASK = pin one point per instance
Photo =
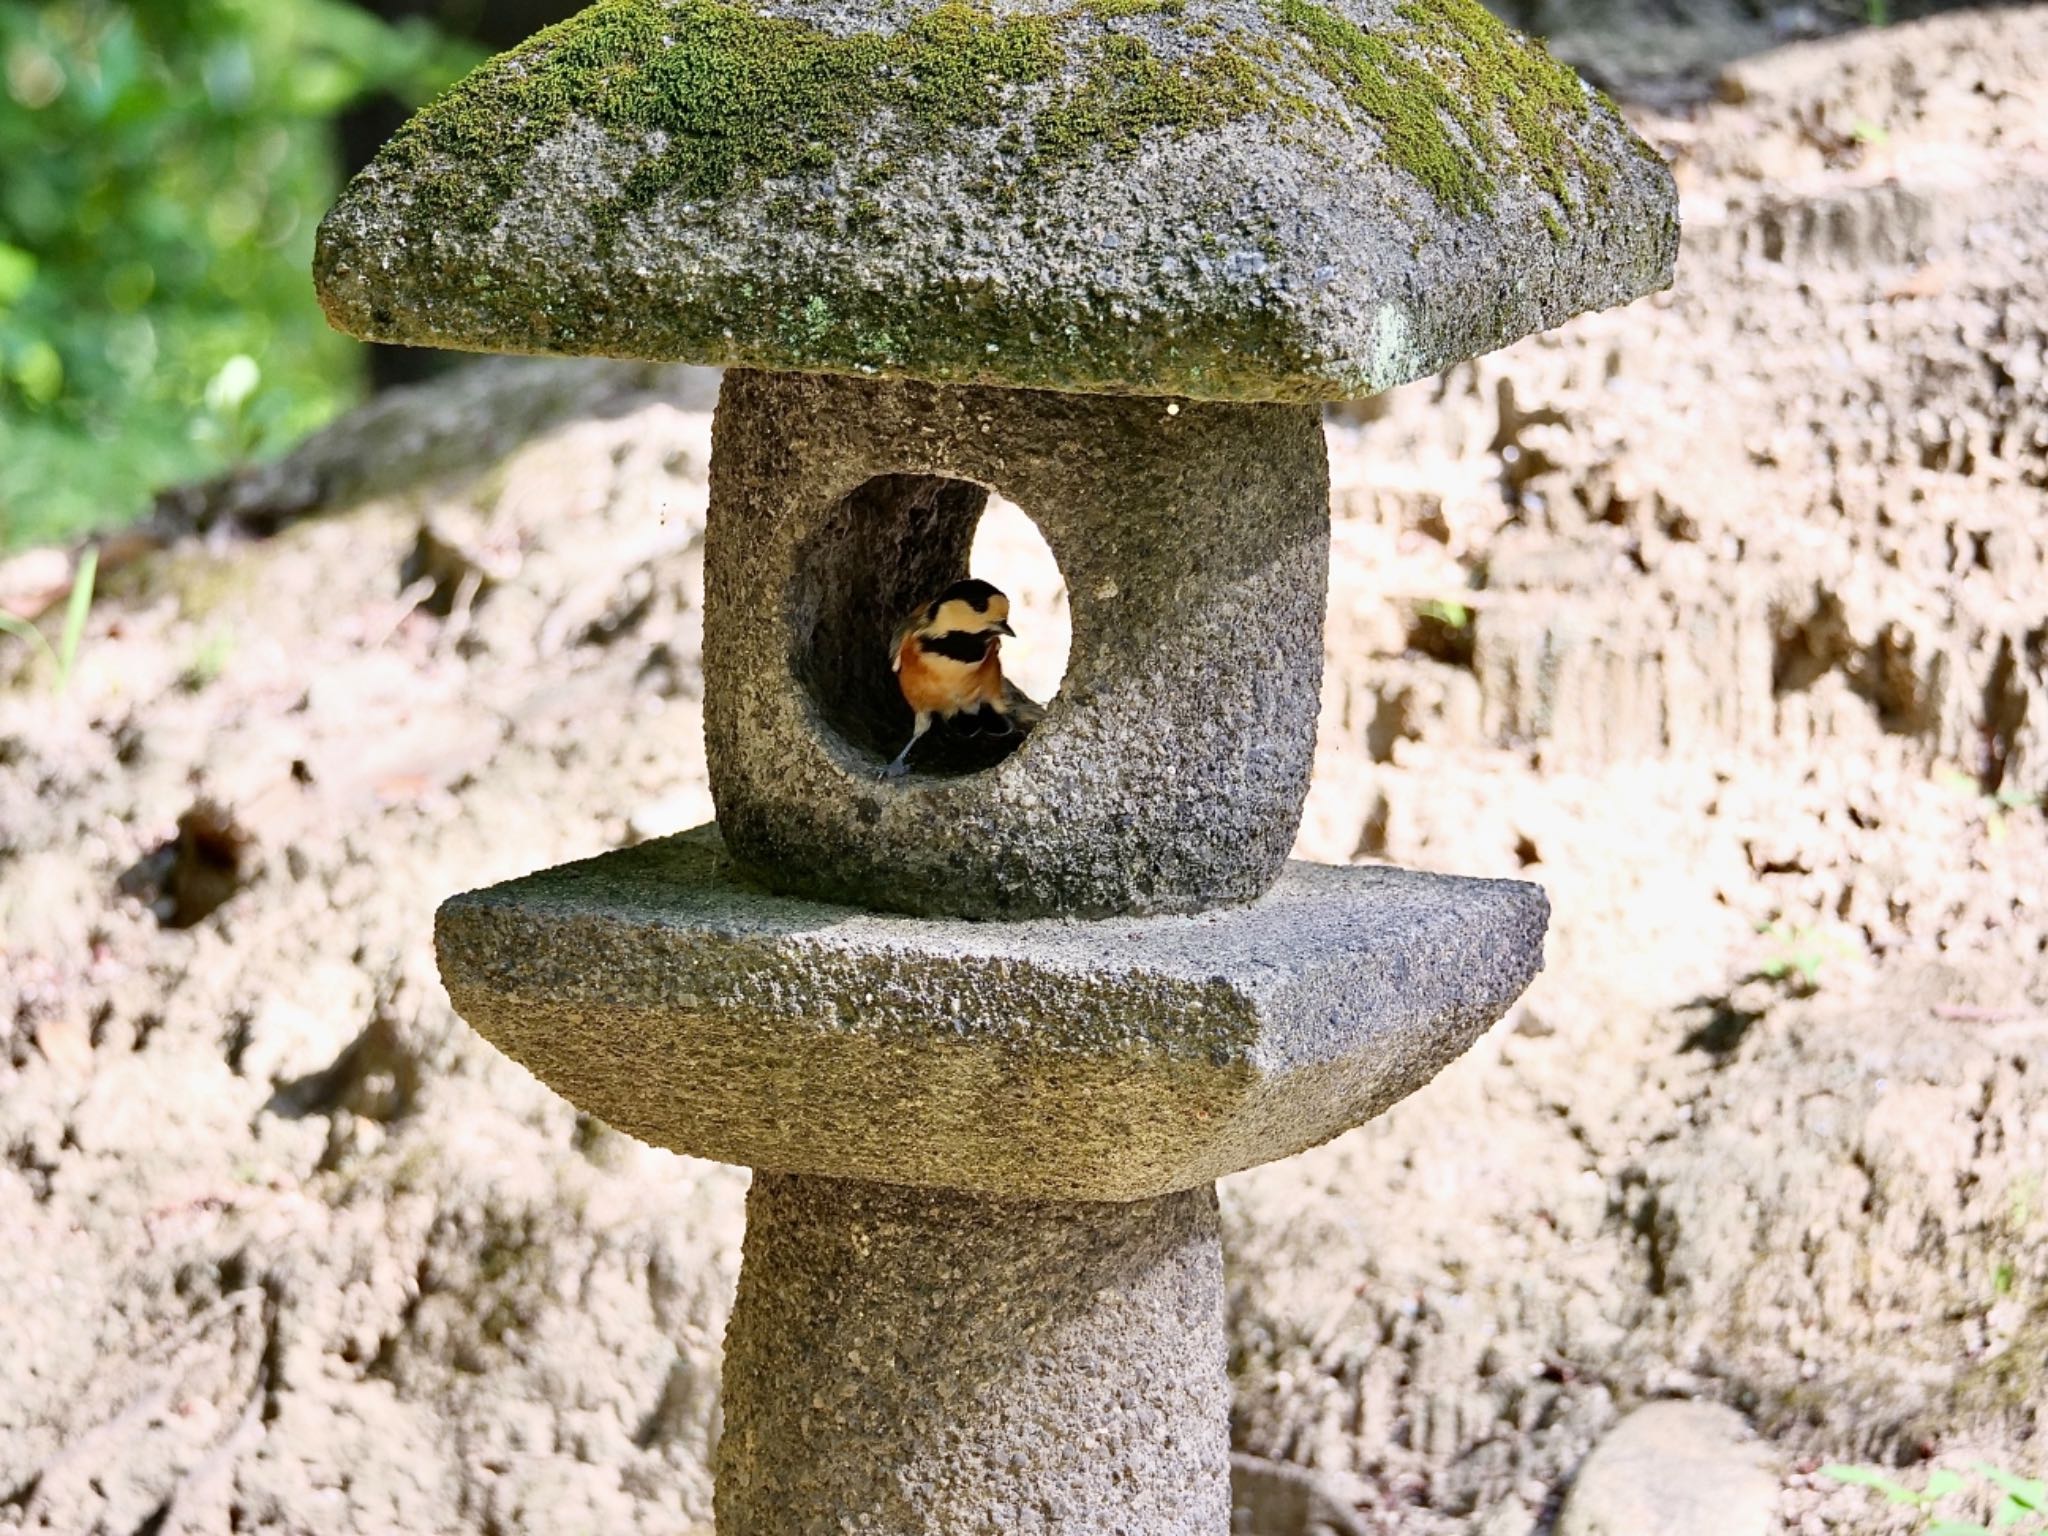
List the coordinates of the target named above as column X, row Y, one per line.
column 28, row 634
column 1870, row 1477
column 75, row 613
column 2030, row 1493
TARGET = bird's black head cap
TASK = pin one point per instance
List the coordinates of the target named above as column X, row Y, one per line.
column 975, row 592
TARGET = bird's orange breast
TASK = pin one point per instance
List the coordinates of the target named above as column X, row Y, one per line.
column 941, row 686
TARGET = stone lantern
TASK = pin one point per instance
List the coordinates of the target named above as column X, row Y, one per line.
column 989, row 1038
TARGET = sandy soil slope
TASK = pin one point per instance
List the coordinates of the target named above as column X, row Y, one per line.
column 1725, row 616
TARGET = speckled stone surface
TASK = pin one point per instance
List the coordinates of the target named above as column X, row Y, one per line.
column 1169, row 773
column 663, row 991
column 915, row 1363
column 1219, row 199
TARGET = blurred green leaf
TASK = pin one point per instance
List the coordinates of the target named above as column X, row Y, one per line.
column 2024, row 1497
column 163, row 165
column 38, row 372
column 17, row 271
column 75, row 612
column 2030, row 1493
column 229, row 390
column 1871, row 1478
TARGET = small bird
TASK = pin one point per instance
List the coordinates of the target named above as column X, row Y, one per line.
column 947, row 657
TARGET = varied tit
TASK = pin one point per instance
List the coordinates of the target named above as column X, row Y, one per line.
column 947, row 657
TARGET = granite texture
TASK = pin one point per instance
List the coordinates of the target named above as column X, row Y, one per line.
column 917, row 1363
column 1216, row 199
column 1169, row 773
column 663, row 991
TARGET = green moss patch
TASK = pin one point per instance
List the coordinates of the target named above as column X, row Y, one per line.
column 733, row 97
column 1129, row 91
column 1433, row 94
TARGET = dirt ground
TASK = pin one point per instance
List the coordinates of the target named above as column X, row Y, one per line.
column 1724, row 616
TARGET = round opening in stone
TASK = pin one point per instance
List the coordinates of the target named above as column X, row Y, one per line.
column 874, row 559
column 1009, row 549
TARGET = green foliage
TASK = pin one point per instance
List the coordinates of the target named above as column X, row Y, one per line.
column 165, row 163
column 1435, row 103
column 1130, row 91
column 2022, row 1501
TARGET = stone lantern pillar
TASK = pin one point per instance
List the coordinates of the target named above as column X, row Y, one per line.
column 989, row 1038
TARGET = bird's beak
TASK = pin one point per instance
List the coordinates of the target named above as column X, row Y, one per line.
column 1004, row 629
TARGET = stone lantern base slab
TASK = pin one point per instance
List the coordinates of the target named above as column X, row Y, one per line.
column 662, row 990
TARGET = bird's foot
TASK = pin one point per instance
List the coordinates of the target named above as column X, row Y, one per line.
column 988, row 721
column 895, row 770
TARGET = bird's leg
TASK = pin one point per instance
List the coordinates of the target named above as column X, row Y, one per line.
column 901, row 765
column 985, row 721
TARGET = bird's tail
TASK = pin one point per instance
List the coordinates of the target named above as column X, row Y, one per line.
column 1024, row 710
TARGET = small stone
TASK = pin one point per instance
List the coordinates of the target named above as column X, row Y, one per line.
column 65, row 1039
column 1510, row 1517
column 1674, row 1469
column 1276, row 1498
column 283, row 1041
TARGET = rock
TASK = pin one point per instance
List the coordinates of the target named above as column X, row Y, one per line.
column 1226, row 199
column 34, row 581
column 1168, row 775
column 1511, row 1517
column 663, row 991
column 466, row 420
column 1674, row 1469
column 924, row 1363
column 285, row 1040
column 1279, row 1498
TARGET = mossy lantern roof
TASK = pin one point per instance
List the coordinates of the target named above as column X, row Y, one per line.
column 1219, row 199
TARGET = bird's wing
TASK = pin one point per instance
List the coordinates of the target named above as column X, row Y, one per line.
column 1020, row 706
